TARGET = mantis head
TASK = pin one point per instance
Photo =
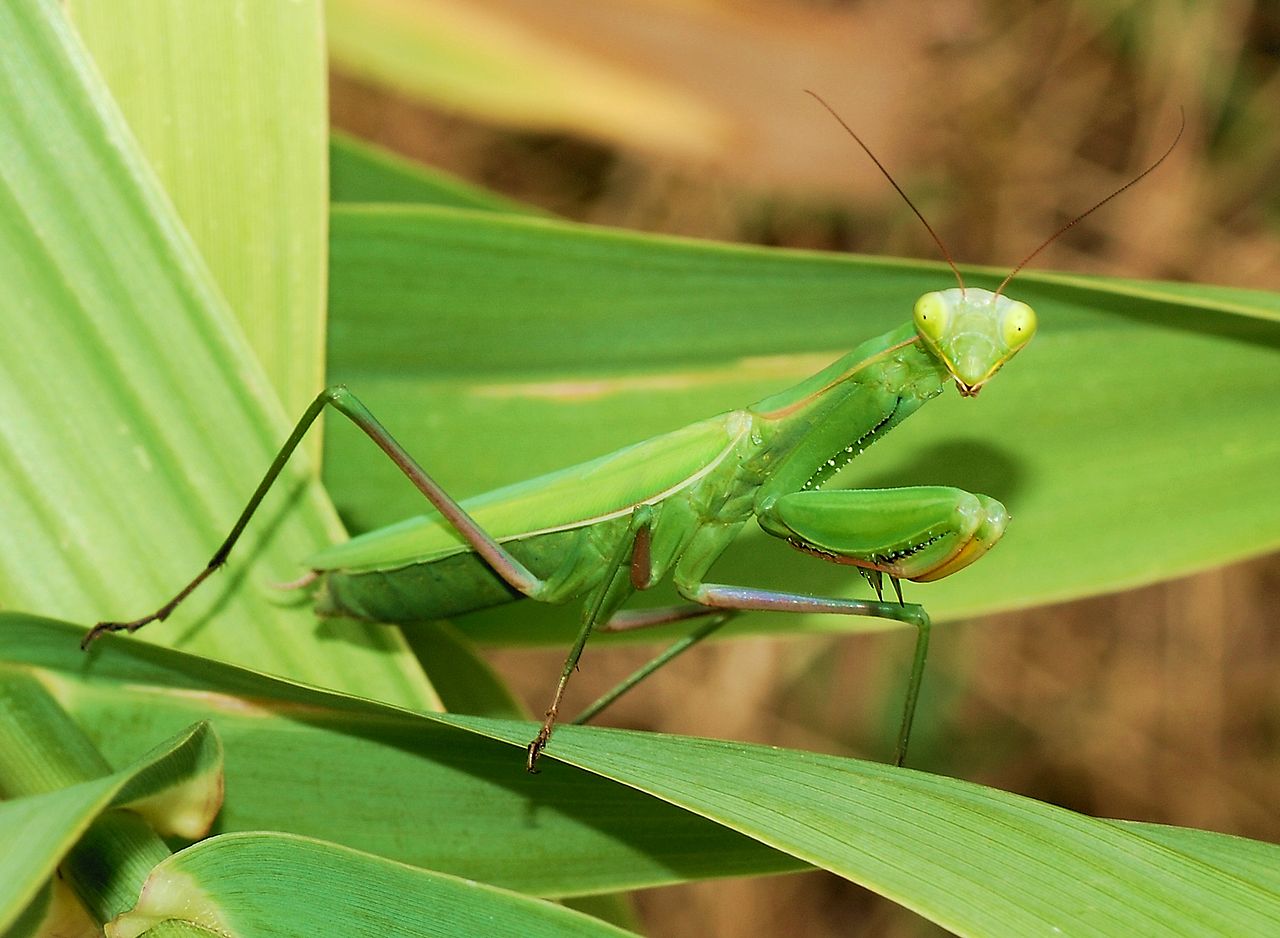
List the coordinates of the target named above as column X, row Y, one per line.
column 973, row 332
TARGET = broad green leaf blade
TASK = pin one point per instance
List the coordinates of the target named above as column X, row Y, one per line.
column 133, row 419
column 381, row 780
column 320, row 888
column 247, row 884
column 229, row 107
column 37, row 831
column 1250, row 860
column 361, row 172
column 454, row 327
column 975, row 860
column 467, row 58
column 44, row 749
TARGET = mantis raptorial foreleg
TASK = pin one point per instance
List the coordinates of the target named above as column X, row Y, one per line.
column 946, row 526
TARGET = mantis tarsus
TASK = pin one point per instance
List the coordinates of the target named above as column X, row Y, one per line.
column 668, row 507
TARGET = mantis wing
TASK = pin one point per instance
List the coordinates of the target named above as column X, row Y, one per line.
column 590, row 492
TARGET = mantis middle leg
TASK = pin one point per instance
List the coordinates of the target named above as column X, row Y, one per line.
column 601, row 613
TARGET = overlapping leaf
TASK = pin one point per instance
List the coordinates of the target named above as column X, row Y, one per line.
column 45, row 826
column 383, row 781
column 319, row 888
column 977, row 860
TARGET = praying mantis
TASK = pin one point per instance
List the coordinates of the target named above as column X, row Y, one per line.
column 668, row 507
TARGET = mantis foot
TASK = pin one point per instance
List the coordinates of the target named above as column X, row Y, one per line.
column 102, row 628
column 164, row 611
column 539, row 743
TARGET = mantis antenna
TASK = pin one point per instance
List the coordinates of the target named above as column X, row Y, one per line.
column 893, row 182
column 1182, row 125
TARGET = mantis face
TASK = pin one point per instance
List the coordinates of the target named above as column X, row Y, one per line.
column 973, row 332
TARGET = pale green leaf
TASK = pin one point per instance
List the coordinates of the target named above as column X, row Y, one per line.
column 321, row 888
column 228, row 104
column 1251, row 860
column 133, row 418
column 36, row 831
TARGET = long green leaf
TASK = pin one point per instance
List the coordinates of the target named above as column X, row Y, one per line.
column 498, row 348
column 383, row 781
column 230, row 112
column 975, row 860
column 38, row 830
column 319, row 888
column 133, row 419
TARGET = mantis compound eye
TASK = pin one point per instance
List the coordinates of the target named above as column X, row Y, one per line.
column 1018, row 325
column 931, row 315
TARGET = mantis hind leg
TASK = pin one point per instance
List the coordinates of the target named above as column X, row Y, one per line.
column 342, row 400
column 739, row 598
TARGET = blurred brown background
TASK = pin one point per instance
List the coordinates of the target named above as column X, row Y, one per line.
column 1002, row 120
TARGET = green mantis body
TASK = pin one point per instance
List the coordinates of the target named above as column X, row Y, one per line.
column 669, row 507
column 696, row 487
column 692, row 490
